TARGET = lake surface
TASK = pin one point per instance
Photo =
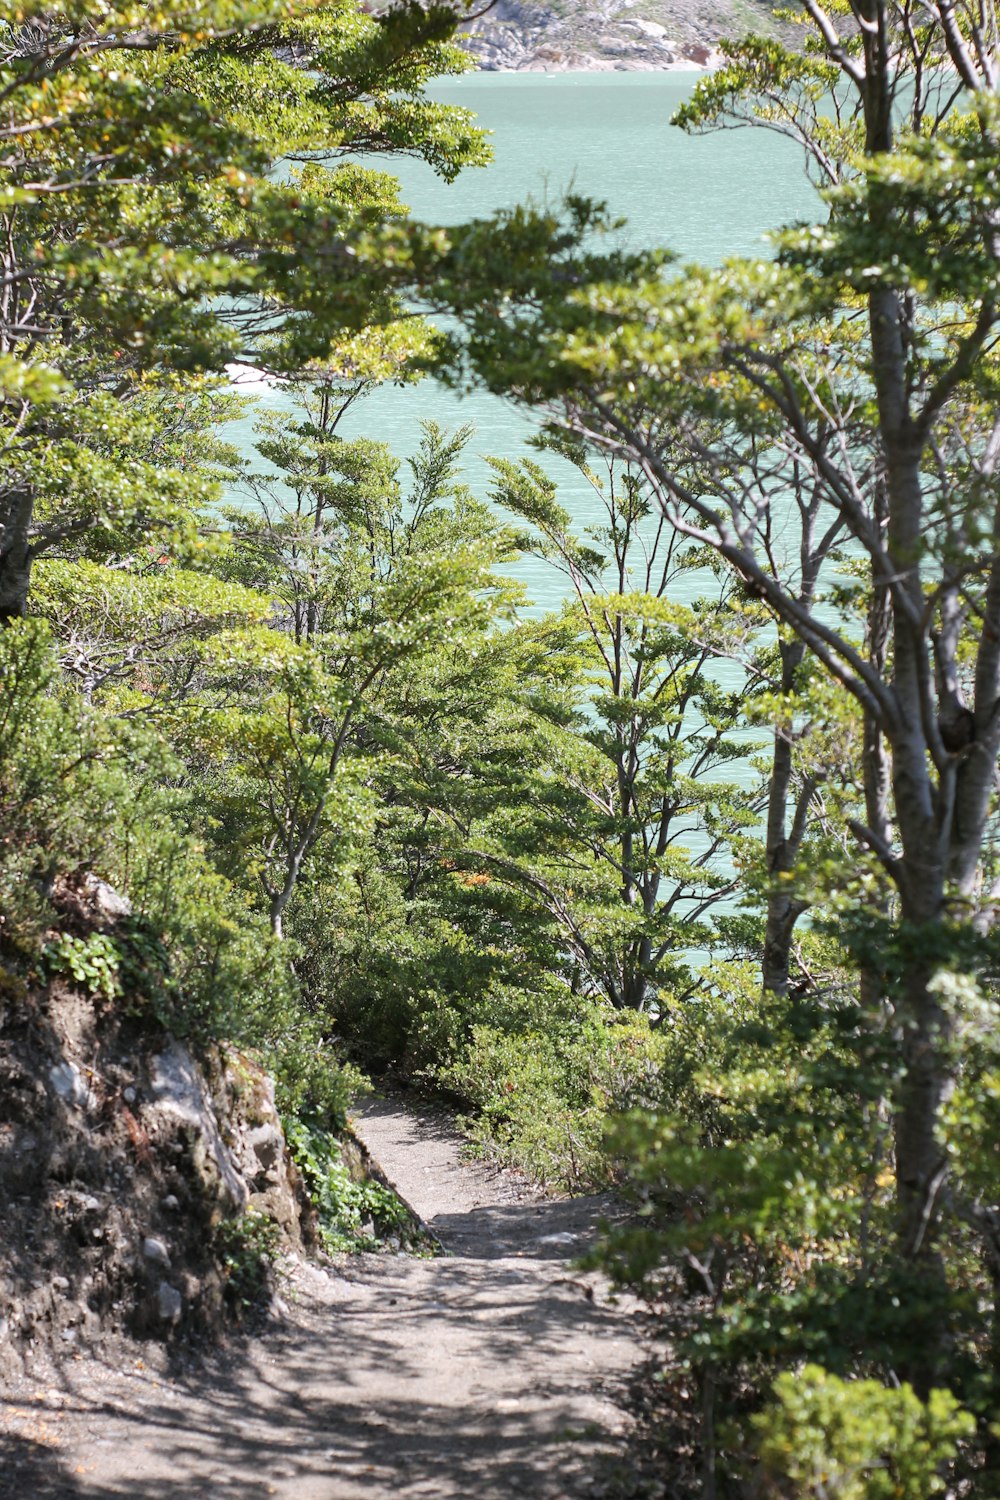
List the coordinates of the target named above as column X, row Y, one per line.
column 608, row 136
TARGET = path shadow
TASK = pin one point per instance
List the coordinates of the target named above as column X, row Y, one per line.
column 485, row 1374
column 560, row 1229
column 30, row 1470
column 255, row 1435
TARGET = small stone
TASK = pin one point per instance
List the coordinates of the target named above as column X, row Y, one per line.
column 61, row 1283
column 170, row 1303
column 171, row 1203
column 68, row 1335
column 156, row 1251
column 70, row 1085
column 110, row 904
column 268, row 1145
column 129, row 1095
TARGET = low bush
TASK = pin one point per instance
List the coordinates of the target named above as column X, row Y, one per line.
column 823, row 1438
column 353, row 1214
column 247, row 1248
column 546, row 1073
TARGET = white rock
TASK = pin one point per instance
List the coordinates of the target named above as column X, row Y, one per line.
column 179, row 1091
column 268, row 1144
column 71, row 1086
column 111, row 904
column 156, row 1251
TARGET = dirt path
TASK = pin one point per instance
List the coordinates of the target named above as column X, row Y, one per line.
column 492, row 1372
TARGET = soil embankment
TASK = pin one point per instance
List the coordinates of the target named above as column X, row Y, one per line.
column 492, row 1371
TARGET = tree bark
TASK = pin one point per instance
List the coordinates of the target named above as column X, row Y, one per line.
column 15, row 555
column 783, row 907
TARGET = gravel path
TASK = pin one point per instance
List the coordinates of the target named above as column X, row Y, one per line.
column 492, row 1372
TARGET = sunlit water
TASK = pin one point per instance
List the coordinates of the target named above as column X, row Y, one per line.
column 609, row 137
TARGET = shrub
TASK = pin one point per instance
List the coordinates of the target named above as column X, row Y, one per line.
column 353, row 1215
column 247, row 1248
column 94, row 962
column 81, row 790
column 545, row 1076
column 825, row 1438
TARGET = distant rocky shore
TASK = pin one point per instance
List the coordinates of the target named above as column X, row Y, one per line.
column 613, row 36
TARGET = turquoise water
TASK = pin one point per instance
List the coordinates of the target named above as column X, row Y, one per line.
column 610, row 137
column 607, row 136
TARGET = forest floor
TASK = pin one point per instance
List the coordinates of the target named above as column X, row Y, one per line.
column 492, row 1371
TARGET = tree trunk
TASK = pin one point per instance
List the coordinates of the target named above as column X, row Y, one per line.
column 783, row 907
column 875, row 766
column 925, row 1072
column 923, row 1087
column 15, row 555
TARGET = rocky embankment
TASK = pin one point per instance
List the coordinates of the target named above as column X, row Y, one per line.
column 494, row 1371
column 613, row 36
column 128, row 1163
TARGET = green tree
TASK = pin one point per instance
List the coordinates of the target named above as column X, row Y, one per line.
column 862, row 362
column 371, row 583
column 635, row 831
column 145, row 233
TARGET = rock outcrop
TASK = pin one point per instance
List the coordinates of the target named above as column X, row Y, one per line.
column 610, row 36
column 129, row 1164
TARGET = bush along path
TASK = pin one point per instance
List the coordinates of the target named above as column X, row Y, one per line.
column 492, row 1370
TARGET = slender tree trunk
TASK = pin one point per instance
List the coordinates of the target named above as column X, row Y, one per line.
column 635, row 984
column 15, row 555
column 923, row 819
column 923, row 1085
column 783, row 907
column 876, row 769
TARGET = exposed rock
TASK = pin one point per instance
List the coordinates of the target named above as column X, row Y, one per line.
column 243, row 1094
column 268, row 1144
column 156, row 1252
column 71, row 1086
column 108, row 904
column 178, row 1090
column 89, row 902
column 608, row 35
column 169, row 1303
column 121, row 1151
column 278, row 1309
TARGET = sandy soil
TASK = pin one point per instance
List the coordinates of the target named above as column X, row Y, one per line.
column 493, row 1371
